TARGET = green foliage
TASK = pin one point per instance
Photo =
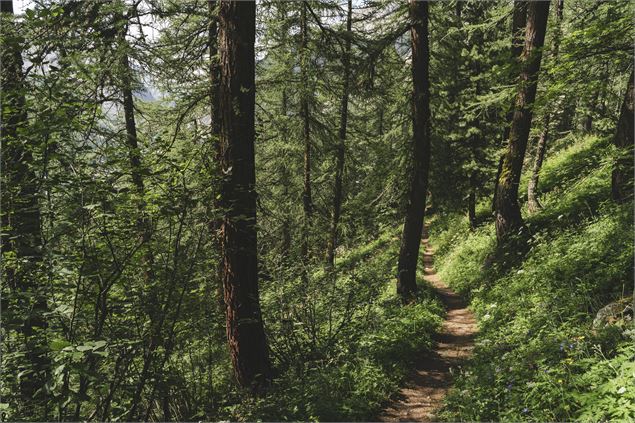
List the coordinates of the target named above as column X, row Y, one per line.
column 340, row 340
column 537, row 356
column 342, row 345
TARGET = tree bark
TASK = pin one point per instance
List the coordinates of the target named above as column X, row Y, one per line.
column 508, row 217
column 341, row 146
column 21, row 222
column 533, row 205
column 622, row 175
column 245, row 332
column 519, row 22
column 413, row 226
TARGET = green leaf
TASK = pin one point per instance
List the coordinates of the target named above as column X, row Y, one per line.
column 59, row 344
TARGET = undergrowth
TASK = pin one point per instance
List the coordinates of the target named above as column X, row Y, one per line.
column 342, row 345
column 538, row 357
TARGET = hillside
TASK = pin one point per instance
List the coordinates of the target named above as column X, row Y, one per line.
column 539, row 356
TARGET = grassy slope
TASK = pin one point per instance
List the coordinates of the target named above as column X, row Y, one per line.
column 538, row 357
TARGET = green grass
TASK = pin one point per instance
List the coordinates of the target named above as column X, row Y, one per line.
column 537, row 356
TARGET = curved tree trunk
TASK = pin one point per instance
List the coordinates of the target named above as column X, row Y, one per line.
column 508, row 217
column 339, row 167
column 622, row 176
column 245, row 332
column 413, row 226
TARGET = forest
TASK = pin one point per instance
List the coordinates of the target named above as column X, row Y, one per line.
column 336, row 210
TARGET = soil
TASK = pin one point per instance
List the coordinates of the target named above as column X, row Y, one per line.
column 426, row 387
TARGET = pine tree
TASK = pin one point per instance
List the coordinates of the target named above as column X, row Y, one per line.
column 245, row 333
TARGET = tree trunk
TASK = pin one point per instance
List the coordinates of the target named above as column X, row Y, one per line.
column 519, row 22
column 533, row 205
column 587, row 126
column 144, row 229
column 471, row 204
column 21, row 223
column 508, row 217
column 307, row 200
column 339, row 169
column 413, row 226
column 622, row 176
column 476, row 139
column 245, row 332
column 285, row 178
column 285, row 174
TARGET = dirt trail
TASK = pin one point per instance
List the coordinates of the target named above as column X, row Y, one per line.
column 431, row 379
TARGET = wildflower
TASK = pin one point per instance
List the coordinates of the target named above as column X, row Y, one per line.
column 510, row 385
column 525, row 410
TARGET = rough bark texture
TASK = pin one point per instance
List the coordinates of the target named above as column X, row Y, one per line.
column 508, row 217
column 519, row 22
column 307, row 200
column 245, row 333
column 341, row 145
column 622, row 176
column 21, row 220
column 533, row 205
column 413, row 226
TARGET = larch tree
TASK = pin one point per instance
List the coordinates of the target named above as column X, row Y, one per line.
column 413, row 226
column 508, row 216
column 519, row 22
column 245, row 332
column 341, row 136
column 144, row 225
